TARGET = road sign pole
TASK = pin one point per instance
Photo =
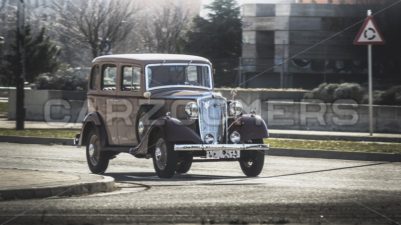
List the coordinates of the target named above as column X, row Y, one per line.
column 369, row 35
column 369, row 13
column 370, row 90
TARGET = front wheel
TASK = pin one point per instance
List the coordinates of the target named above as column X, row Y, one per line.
column 164, row 158
column 184, row 163
column 252, row 162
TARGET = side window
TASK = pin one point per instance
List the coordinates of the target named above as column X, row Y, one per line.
column 93, row 77
column 131, row 78
column 109, row 76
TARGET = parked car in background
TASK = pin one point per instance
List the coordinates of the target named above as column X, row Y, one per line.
column 162, row 106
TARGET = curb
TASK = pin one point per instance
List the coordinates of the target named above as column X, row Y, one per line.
column 106, row 184
column 335, row 137
column 36, row 140
column 362, row 156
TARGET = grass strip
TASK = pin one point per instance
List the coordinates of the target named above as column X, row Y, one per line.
column 49, row 133
column 344, row 146
column 3, row 107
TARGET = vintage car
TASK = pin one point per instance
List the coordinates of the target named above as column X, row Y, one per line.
column 162, row 106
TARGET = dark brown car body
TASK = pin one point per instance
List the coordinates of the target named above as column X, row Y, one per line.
column 131, row 117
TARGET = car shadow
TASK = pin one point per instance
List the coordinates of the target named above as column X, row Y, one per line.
column 145, row 176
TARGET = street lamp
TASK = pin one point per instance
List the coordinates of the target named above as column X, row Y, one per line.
column 1, row 50
column 1, row 47
column 20, row 81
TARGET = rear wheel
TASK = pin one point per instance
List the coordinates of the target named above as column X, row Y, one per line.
column 184, row 163
column 252, row 162
column 164, row 158
column 97, row 159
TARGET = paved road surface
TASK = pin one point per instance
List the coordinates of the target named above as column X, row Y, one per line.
column 289, row 191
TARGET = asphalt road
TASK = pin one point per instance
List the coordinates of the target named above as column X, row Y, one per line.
column 289, row 191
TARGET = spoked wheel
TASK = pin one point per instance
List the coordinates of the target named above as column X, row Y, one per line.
column 184, row 163
column 252, row 162
column 164, row 158
column 98, row 160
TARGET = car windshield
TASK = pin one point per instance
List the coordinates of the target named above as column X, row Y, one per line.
column 185, row 75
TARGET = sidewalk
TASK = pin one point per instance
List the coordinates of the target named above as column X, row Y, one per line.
column 25, row 184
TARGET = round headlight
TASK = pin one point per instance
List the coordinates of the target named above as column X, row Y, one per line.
column 209, row 139
column 235, row 137
column 191, row 109
column 235, row 108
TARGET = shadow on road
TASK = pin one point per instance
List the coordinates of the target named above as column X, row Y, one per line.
column 142, row 176
column 213, row 179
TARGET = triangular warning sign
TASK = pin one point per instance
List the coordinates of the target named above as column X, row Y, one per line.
column 369, row 34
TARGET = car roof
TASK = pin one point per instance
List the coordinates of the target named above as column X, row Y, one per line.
column 152, row 57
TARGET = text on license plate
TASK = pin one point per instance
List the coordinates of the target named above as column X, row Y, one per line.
column 223, row 154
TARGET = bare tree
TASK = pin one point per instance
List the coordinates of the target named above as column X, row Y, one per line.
column 95, row 21
column 163, row 32
column 3, row 4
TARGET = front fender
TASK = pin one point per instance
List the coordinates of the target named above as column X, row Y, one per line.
column 250, row 127
column 175, row 131
column 172, row 129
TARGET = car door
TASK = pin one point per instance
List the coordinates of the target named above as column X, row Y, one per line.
column 106, row 104
column 130, row 92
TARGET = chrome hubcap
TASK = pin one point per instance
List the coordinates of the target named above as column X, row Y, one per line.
column 249, row 163
column 93, row 151
column 161, row 154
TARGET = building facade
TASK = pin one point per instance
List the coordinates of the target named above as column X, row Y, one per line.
column 300, row 44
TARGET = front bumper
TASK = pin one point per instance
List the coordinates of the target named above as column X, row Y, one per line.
column 218, row 147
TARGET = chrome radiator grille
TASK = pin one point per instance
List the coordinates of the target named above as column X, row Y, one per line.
column 212, row 118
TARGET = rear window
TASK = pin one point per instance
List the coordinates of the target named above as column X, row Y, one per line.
column 109, row 76
column 93, row 77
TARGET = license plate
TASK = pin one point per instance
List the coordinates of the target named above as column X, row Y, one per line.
column 223, row 154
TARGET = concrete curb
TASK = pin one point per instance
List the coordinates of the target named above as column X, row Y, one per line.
column 106, row 184
column 363, row 156
column 36, row 140
column 335, row 137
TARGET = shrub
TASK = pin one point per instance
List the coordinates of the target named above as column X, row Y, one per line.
column 334, row 91
column 349, row 91
column 391, row 96
column 65, row 78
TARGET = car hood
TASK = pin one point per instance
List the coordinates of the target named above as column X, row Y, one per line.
column 182, row 94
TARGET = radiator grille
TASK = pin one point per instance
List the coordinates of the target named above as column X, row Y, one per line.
column 212, row 117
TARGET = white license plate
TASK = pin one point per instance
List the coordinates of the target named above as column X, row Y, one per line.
column 223, row 154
